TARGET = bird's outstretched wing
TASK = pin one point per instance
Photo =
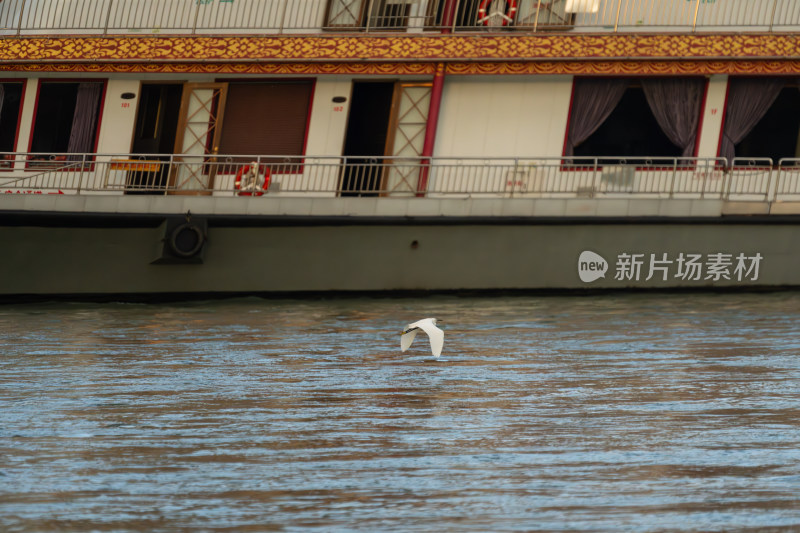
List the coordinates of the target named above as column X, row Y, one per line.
column 435, row 334
column 406, row 339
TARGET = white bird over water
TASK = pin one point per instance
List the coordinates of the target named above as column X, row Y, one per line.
column 428, row 325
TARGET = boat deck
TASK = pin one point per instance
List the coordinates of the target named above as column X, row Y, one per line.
column 387, row 207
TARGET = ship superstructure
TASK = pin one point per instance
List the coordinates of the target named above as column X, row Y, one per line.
column 238, row 146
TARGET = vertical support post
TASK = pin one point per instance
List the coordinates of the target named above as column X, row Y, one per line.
column 727, row 190
column 172, row 172
column 696, row 11
column 80, row 174
column 196, row 16
column 703, row 186
column 772, row 18
column 616, row 22
column 448, row 25
column 284, row 9
column 430, row 128
column 769, row 181
column 674, row 175
column 108, row 17
column 19, row 21
column 258, row 173
column 370, row 7
column 449, row 15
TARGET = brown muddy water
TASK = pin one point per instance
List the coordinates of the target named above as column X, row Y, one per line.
column 602, row 413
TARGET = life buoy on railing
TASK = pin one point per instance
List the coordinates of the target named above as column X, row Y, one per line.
column 507, row 14
column 247, row 180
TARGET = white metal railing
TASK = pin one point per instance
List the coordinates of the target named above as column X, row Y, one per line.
column 287, row 16
column 608, row 177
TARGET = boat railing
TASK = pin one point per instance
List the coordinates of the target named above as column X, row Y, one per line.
column 745, row 179
column 113, row 17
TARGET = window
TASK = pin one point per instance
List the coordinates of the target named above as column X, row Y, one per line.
column 383, row 14
column 10, row 103
column 630, row 130
column 67, row 117
column 625, row 118
column 266, row 118
column 776, row 135
column 344, row 13
column 468, row 14
column 389, row 14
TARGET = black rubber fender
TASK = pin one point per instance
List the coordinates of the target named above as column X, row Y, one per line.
column 187, row 240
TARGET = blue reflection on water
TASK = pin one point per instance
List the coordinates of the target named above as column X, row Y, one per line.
column 604, row 413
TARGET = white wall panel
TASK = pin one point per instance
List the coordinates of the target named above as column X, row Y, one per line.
column 328, row 118
column 27, row 111
column 503, row 116
column 712, row 116
column 118, row 118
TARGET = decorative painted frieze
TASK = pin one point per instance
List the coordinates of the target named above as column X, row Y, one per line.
column 464, row 54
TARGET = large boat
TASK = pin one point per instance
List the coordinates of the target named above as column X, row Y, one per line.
column 179, row 148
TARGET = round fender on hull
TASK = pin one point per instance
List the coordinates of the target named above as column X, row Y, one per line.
column 187, row 240
column 181, row 241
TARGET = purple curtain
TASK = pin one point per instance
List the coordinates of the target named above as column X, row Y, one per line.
column 675, row 102
column 749, row 99
column 84, row 120
column 593, row 100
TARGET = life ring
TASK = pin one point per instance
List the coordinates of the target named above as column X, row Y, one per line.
column 251, row 187
column 507, row 15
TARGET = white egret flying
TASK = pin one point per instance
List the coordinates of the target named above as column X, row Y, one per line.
column 428, row 325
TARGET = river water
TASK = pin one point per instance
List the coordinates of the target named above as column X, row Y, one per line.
column 614, row 412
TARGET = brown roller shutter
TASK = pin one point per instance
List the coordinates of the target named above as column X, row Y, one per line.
column 266, row 118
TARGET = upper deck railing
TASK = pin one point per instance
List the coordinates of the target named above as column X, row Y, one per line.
column 233, row 176
column 111, row 17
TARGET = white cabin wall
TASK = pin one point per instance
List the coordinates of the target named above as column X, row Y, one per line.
column 118, row 118
column 325, row 138
column 712, row 116
column 503, row 116
column 326, row 128
column 480, row 116
column 27, row 112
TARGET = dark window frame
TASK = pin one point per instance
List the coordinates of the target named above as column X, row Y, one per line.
column 765, row 127
column 7, row 162
column 37, row 107
column 614, row 120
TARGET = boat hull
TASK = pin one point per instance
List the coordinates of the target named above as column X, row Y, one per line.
column 126, row 255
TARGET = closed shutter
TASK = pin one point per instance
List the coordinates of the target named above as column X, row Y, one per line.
column 266, row 118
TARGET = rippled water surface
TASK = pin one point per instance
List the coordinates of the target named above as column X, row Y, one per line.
column 622, row 412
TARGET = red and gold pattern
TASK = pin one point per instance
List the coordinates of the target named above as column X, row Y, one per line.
column 601, row 68
column 412, row 54
column 395, row 69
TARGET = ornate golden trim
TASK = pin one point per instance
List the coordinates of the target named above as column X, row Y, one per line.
column 410, row 47
column 600, row 54
column 641, row 68
column 396, row 69
column 600, row 68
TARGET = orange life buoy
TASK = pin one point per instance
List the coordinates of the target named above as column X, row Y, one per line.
column 507, row 15
column 252, row 188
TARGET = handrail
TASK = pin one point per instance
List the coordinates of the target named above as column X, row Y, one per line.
column 746, row 179
column 110, row 17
